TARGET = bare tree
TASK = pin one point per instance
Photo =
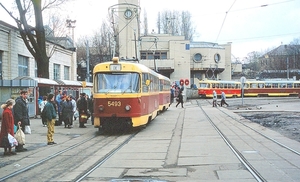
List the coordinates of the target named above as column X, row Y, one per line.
column 34, row 37
column 146, row 30
column 176, row 23
column 187, row 29
column 100, row 45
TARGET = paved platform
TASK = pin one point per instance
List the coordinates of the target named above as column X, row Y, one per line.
column 182, row 145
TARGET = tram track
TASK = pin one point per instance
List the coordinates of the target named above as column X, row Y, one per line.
column 260, row 133
column 59, row 165
column 99, row 162
column 243, row 160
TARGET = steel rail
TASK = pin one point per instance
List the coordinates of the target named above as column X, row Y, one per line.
column 243, row 160
column 104, row 159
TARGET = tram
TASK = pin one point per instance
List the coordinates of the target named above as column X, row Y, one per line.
column 266, row 88
column 271, row 88
column 164, row 93
column 230, row 88
column 126, row 95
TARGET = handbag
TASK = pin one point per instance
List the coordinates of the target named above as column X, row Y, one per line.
column 83, row 118
column 20, row 136
column 27, row 129
column 5, row 142
column 12, row 141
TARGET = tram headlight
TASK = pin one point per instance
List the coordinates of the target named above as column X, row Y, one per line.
column 127, row 107
column 101, row 108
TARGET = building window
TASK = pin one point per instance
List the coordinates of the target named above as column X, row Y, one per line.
column 156, row 55
column 143, row 55
column 197, row 57
column 66, row 73
column 163, row 55
column 56, row 71
column 22, row 66
column 1, row 69
column 217, row 58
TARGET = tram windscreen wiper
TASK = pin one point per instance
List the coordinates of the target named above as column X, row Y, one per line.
column 127, row 89
column 107, row 91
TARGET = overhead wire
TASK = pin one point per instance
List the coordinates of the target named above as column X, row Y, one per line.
column 224, row 20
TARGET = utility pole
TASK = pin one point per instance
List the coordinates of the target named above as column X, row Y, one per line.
column 87, row 62
column 71, row 24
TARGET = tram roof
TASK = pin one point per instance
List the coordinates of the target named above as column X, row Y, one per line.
column 274, row 81
column 217, row 81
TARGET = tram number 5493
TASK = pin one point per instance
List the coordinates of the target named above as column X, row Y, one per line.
column 114, row 103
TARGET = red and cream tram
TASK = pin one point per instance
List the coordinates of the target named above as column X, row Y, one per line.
column 230, row 88
column 271, row 88
column 126, row 95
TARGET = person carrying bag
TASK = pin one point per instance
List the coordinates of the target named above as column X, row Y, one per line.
column 20, row 136
column 7, row 128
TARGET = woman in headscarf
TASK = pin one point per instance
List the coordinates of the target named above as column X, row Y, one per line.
column 7, row 126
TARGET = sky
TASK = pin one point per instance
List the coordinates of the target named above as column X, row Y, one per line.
column 250, row 25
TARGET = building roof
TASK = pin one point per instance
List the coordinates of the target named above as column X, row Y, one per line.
column 284, row 50
column 205, row 45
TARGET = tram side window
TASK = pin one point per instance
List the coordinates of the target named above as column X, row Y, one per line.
column 155, row 83
column 204, row 85
column 275, row 85
column 296, row 85
column 222, row 85
column 289, row 85
column 144, row 86
column 268, row 85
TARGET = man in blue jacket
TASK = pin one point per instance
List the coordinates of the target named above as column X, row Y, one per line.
column 50, row 115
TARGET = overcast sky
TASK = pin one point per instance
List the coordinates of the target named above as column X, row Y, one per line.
column 251, row 25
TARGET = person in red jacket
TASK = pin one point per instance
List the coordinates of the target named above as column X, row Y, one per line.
column 7, row 125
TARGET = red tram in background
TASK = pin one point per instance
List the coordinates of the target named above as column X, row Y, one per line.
column 267, row 88
column 230, row 88
column 278, row 88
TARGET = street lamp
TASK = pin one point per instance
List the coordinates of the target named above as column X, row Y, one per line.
column 82, row 70
column 287, row 63
column 71, row 24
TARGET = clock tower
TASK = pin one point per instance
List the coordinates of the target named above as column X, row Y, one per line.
column 128, row 28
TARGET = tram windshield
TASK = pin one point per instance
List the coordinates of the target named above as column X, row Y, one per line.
column 117, row 83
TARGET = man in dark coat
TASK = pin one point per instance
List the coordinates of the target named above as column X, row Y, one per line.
column 21, row 115
column 180, row 98
column 82, row 106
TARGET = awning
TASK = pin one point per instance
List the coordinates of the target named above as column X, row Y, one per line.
column 44, row 81
column 88, row 84
column 69, row 83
